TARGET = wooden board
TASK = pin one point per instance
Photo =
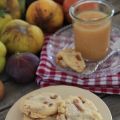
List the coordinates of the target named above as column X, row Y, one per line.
column 113, row 102
column 3, row 114
column 116, row 20
column 15, row 91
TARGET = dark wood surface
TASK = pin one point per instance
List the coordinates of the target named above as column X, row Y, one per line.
column 15, row 91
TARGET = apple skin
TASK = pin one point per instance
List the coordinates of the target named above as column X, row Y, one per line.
column 3, row 52
column 4, row 19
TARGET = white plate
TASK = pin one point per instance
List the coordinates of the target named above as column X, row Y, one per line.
column 15, row 114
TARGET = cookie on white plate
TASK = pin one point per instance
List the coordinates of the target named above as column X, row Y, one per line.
column 25, row 117
column 78, row 108
column 48, row 118
column 40, row 105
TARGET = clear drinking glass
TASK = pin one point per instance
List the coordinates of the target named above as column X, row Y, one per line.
column 91, row 28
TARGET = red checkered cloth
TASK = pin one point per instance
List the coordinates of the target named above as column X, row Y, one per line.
column 48, row 74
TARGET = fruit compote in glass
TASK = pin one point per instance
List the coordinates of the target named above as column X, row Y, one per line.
column 92, row 28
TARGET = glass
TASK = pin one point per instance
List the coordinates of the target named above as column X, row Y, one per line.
column 92, row 28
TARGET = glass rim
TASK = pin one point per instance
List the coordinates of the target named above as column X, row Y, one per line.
column 75, row 5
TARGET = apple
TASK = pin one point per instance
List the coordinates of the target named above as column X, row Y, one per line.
column 2, row 90
column 3, row 52
column 68, row 3
column 66, row 6
column 20, row 36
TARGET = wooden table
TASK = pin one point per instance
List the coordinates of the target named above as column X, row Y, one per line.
column 15, row 91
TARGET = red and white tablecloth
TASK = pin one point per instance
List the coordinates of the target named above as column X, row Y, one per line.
column 47, row 75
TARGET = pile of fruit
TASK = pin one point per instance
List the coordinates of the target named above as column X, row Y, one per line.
column 23, row 26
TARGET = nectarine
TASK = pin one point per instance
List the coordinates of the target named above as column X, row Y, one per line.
column 46, row 14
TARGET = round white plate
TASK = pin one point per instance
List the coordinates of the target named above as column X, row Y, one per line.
column 15, row 114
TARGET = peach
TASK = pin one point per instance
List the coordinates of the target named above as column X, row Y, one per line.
column 46, row 14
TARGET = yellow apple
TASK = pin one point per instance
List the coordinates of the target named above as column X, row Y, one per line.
column 20, row 36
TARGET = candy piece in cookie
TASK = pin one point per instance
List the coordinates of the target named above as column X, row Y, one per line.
column 78, row 108
column 70, row 58
column 40, row 105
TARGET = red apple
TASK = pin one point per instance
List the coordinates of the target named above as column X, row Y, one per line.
column 68, row 3
column 66, row 6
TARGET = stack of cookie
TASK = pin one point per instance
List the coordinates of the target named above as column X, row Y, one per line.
column 50, row 106
column 40, row 106
column 78, row 108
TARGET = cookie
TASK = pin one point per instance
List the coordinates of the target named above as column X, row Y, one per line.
column 78, row 108
column 60, row 61
column 70, row 58
column 40, row 105
column 25, row 117
column 48, row 118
